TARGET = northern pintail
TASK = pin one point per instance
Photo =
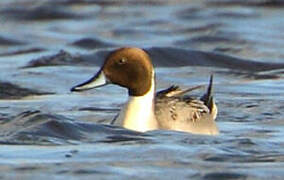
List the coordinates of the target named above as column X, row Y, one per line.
column 132, row 68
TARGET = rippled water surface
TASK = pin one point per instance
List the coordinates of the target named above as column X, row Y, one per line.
column 46, row 47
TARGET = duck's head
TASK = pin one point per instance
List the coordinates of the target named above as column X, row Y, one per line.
column 127, row 67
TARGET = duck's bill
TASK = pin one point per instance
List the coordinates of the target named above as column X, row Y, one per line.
column 97, row 81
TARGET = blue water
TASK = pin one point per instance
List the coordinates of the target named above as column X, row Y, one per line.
column 57, row 134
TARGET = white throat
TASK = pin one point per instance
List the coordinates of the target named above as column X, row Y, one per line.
column 138, row 112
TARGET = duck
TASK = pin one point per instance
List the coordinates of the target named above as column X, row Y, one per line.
column 146, row 110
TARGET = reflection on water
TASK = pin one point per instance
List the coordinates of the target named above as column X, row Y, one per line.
column 46, row 47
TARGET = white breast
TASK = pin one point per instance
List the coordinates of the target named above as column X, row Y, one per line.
column 138, row 112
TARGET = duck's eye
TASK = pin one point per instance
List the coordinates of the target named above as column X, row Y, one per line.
column 122, row 61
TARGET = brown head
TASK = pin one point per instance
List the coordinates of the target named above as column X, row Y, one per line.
column 127, row 67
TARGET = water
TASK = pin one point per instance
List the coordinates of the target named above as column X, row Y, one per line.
column 48, row 132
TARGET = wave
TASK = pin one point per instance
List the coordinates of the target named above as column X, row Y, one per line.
column 162, row 57
column 37, row 128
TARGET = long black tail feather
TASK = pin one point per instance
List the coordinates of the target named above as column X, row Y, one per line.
column 207, row 98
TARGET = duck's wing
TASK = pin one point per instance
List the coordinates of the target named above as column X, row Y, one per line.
column 176, row 91
column 190, row 115
column 177, row 112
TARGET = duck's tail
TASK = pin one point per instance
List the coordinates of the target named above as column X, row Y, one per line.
column 207, row 98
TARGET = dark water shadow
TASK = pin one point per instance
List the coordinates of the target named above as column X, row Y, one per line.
column 22, row 51
column 36, row 128
column 163, row 57
column 13, row 91
column 39, row 13
column 92, row 43
column 260, row 3
column 6, row 41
